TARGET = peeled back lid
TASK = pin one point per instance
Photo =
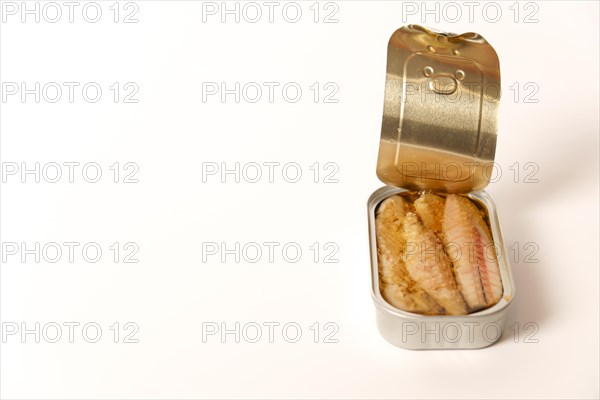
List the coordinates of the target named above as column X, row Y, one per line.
column 442, row 93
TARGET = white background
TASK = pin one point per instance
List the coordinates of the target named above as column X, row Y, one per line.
column 170, row 132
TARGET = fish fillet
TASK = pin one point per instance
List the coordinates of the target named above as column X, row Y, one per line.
column 429, row 266
column 430, row 209
column 396, row 286
column 467, row 236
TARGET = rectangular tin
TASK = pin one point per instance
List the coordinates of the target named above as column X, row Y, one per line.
column 416, row 331
column 439, row 111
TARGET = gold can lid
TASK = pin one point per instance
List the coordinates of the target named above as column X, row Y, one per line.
column 442, row 94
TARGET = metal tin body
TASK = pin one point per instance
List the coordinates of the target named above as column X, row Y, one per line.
column 416, row 331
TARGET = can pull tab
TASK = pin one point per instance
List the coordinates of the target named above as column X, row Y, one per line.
column 440, row 109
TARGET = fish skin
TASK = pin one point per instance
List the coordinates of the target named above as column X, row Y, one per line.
column 396, row 286
column 430, row 267
column 430, row 209
column 476, row 266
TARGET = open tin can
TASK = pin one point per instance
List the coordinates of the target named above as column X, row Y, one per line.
column 439, row 135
